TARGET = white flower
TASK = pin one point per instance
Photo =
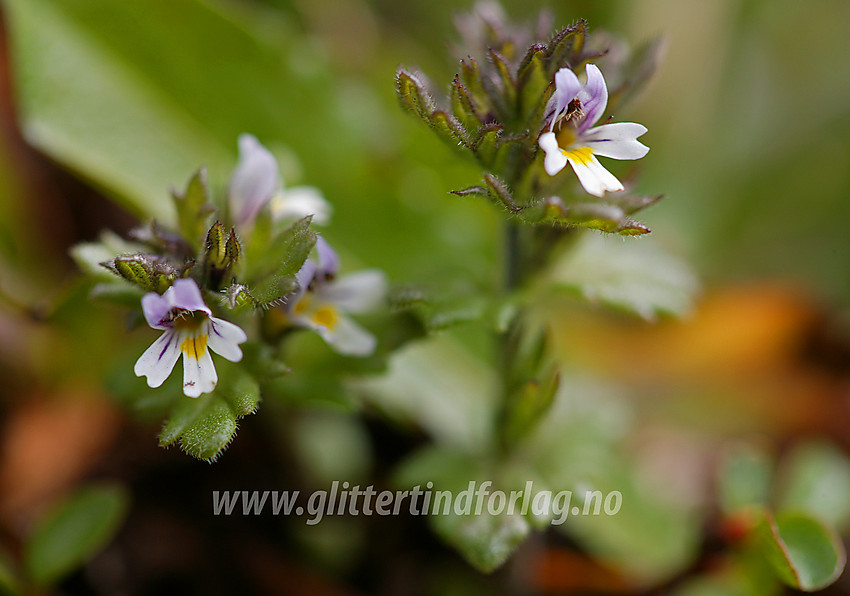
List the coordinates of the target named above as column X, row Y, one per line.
column 574, row 109
column 189, row 329
column 323, row 301
column 256, row 182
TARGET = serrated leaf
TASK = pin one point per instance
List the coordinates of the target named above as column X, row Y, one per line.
column 633, row 276
column 205, row 426
column 73, row 531
column 193, row 208
column 804, row 553
column 286, row 252
column 413, row 95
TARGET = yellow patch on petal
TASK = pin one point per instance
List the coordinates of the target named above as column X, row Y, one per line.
column 302, row 306
column 194, row 346
column 325, row 316
column 580, row 155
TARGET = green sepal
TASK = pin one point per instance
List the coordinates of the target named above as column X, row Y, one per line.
column 193, row 208
column 206, row 425
column 470, row 72
column 147, row 272
column 412, row 94
column 565, row 48
column 465, row 107
column 535, row 86
column 508, row 83
column 449, row 128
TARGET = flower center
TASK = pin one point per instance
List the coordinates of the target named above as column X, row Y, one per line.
column 189, row 320
column 194, row 346
column 325, row 316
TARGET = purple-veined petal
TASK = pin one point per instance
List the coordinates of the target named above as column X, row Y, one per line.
column 618, row 141
column 224, row 339
column 158, row 360
column 328, row 259
column 299, row 202
column 199, row 374
column 593, row 97
column 254, row 181
column 554, row 160
column 357, row 293
column 185, row 294
column 156, row 309
column 567, row 88
column 595, row 179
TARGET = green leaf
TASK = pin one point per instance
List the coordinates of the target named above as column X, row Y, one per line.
column 508, row 83
column 485, row 540
column 815, row 478
column 633, row 276
column 746, row 474
column 275, row 265
column 439, row 386
column 193, row 208
column 108, row 123
column 804, row 553
column 205, row 426
column 73, row 531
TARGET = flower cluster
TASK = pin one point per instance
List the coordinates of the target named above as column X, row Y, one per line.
column 524, row 116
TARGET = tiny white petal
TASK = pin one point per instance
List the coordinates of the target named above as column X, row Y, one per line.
column 199, row 375
column 158, row 360
column 555, row 160
column 349, row 338
column 595, row 178
column 357, row 293
column 224, row 339
column 300, row 201
column 618, row 141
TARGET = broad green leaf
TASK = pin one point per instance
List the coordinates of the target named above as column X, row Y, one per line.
column 746, row 475
column 815, row 478
column 633, row 276
column 804, row 553
column 205, row 426
column 73, row 531
column 89, row 110
column 485, row 539
column 439, row 386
